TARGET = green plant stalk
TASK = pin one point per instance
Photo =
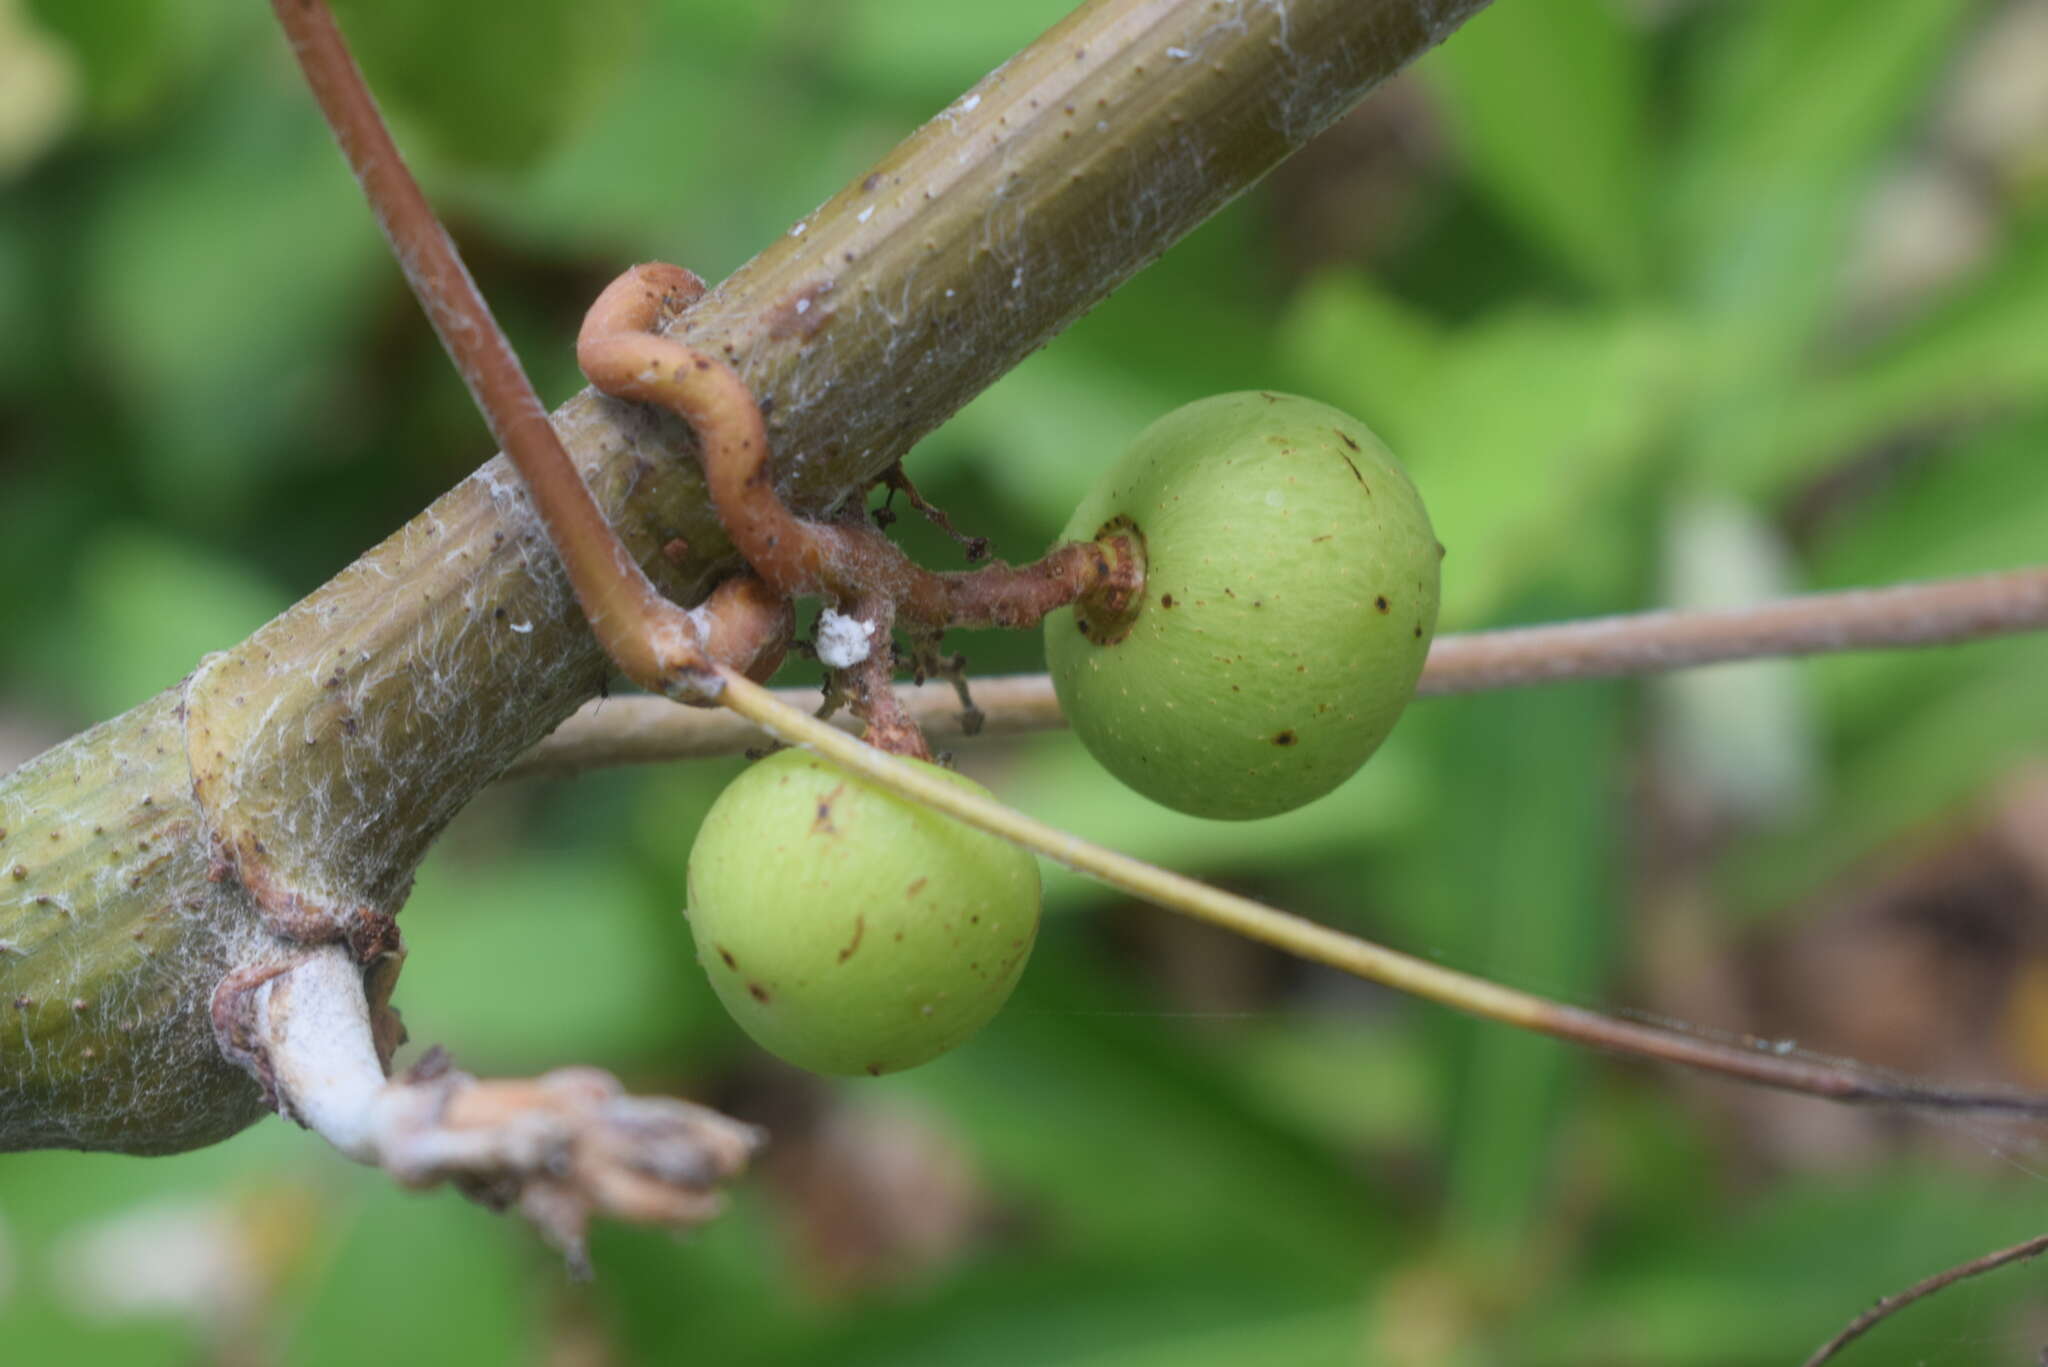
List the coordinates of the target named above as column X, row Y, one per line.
column 339, row 740
column 110, row 933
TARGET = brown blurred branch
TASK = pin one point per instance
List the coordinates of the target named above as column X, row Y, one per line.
column 1944, row 612
column 1892, row 1304
column 1941, row 612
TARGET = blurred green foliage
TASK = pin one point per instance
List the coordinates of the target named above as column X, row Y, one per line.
column 1624, row 260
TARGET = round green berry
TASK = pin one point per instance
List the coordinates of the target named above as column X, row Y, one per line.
column 1290, row 597
column 850, row 931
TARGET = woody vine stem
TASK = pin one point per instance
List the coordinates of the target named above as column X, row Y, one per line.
column 716, row 653
column 704, row 655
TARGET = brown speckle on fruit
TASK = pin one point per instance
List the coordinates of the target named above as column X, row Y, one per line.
column 1219, row 465
column 860, row 928
column 758, row 993
column 822, row 823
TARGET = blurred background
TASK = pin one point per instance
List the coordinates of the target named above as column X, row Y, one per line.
column 1663, row 301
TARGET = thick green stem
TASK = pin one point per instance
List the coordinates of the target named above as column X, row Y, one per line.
column 340, row 739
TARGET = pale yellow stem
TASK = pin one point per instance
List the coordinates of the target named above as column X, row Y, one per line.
column 1306, row 939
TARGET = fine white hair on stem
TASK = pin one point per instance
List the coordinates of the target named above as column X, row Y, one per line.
column 1942, row 612
column 561, row 1147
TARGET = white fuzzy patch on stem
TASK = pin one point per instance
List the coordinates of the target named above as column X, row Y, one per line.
column 843, row 641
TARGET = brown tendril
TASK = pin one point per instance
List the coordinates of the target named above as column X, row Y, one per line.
column 846, row 562
column 658, row 645
column 842, row 561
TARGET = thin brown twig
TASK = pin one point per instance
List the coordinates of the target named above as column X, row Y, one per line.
column 637, row 730
column 653, row 640
column 1899, row 1300
column 1945, row 612
column 1940, row 612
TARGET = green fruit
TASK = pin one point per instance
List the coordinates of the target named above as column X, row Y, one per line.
column 850, row 931
column 1290, row 596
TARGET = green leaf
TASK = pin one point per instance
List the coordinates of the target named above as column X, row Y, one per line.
column 933, row 48
column 21, row 352
column 1978, row 506
column 1983, row 350
column 1536, row 427
column 650, row 168
column 58, row 1209
column 1514, row 882
column 151, row 606
column 222, row 280
column 1356, row 346
column 1076, row 1076
column 135, row 53
column 448, row 1280
column 1520, row 430
column 1792, row 105
column 1547, row 103
column 1058, row 781
column 527, row 963
column 490, row 83
column 1043, row 433
column 1915, row 734
column 1771, row 1279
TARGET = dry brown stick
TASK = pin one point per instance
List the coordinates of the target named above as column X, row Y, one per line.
column 634, row 730
column 1945, row 612
column 655, row 642
column 1940, row 612
column 1899, row 1300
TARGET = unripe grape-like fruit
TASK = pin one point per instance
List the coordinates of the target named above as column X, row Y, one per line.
column 1290, row 597
column 848, row 930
